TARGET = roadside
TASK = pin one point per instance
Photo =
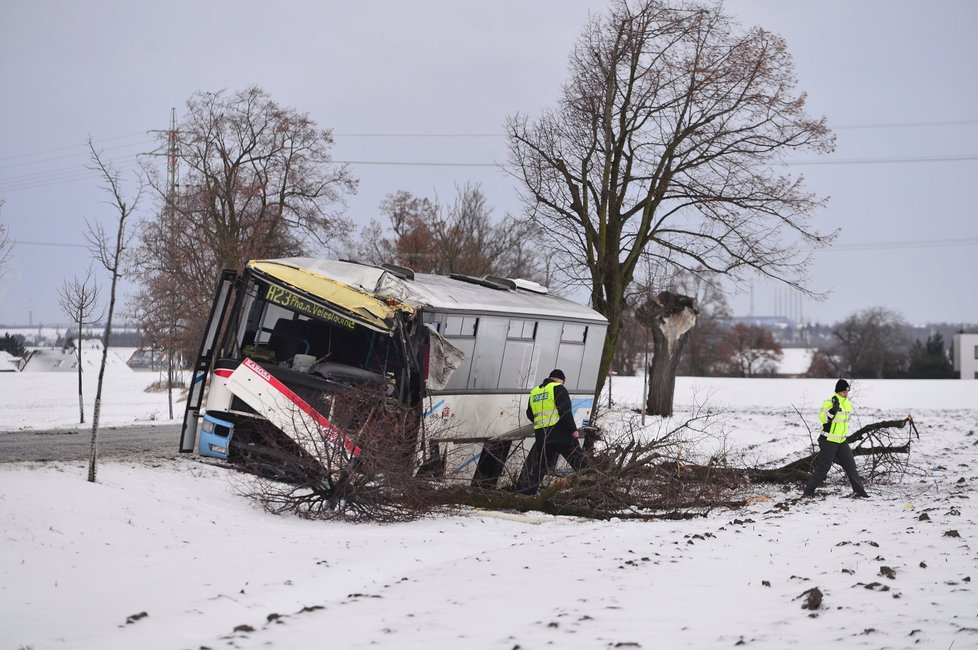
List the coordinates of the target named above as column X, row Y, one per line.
column 143, row 441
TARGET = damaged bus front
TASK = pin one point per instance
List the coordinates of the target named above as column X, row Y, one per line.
column 288, row 336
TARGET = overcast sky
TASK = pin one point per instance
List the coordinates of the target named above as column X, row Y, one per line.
column 432, row 81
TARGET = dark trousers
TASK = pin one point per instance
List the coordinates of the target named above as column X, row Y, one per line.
column 830, row 452
column 543, row 456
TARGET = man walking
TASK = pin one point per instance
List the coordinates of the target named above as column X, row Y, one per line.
column 832, row 445
column 554, row 430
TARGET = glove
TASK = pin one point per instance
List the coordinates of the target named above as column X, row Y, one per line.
column 835, row 407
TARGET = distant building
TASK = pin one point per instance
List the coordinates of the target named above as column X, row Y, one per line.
column 9, row 363
column 966, row 355
column 148, row 359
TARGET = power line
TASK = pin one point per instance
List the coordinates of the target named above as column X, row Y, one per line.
column 21, row 242
column 44, row 178
column 58, row 177
column 71, row 155
column 879, row 125
column 902, row 125
column 901, row 245
column 420, row 135
column 73, row 146
column 416, row 164
column 887, row 161
column 855, row 246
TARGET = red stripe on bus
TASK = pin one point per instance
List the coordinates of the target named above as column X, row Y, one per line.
column 303, row 406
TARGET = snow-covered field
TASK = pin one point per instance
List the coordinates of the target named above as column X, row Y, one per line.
column 167, row 554
column 43, row 398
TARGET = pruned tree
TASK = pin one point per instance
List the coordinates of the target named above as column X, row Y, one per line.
column 79, row 300
column 749, row 351
column 257, row 181
column 669, row 318
column 459, row 238
column 667, row 144
column 108, row 246
column 701, row 352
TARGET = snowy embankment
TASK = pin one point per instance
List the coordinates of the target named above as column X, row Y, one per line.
column 167, row 554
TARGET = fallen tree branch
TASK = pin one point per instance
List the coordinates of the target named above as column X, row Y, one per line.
column 877, row 426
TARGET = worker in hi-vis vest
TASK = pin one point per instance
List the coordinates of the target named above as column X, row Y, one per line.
column 832, row 444
column 554, row 433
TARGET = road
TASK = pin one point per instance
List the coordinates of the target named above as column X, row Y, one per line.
column 156, row 441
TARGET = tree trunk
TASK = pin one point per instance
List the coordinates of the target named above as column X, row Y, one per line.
column 97, row 411
column 662, row 373
column 169, row 369
column 608, row 302
column 81, row 402
column 669, row 316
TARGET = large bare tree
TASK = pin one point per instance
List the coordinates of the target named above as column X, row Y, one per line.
column 108, row 246
column 668, row 143
column 257, row 180
column 78, row 300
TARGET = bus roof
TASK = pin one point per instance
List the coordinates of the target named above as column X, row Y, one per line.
column 376, row 293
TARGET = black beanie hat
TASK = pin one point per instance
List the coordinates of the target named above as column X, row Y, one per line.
column 557, row 374
column 841, row 385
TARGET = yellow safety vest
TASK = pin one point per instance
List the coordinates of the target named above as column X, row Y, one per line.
column 544, row 406
column 840, row 423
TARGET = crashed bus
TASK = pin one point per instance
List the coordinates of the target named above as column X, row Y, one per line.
column 461, row 352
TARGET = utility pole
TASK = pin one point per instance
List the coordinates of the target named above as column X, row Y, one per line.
column 169, row 223
column 171, row 197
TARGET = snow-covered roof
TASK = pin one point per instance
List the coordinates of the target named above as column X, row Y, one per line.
column 8, row 363
column 439, row 292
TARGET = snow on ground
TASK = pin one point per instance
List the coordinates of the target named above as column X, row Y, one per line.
column 167, row 554
column 795, row 361
column 42, row 399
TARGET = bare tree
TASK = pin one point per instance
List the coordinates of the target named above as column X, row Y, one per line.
column 109, row 249
column 78, row 300
column 873, row 343
column 458, row 238
column 162, row 305
column 749, row 350
column 667, row 144
column 700, row 356
column 257, row 181
column 409, row 219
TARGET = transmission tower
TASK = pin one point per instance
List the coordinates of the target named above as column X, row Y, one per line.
column 169, row 225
